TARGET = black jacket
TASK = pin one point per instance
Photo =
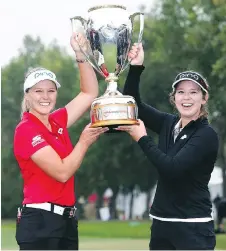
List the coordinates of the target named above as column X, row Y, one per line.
column 185, row 166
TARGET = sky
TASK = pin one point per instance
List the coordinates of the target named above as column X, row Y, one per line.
column 49, row 19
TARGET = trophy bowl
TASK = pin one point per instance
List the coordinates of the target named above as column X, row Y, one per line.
column 109, row 30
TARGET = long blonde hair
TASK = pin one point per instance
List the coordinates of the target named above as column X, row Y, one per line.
column 24, row 104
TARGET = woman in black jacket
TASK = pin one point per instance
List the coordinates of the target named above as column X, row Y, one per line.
column 184, row 158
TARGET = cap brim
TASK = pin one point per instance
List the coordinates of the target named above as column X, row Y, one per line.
column 181, row 79
column 57, row 83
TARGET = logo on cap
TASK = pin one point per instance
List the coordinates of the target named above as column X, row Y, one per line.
column 189, row 75
column 43, row 74
column 196, row 77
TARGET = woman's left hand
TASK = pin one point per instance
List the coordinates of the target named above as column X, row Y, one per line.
column 135, row 131
column 79, row 40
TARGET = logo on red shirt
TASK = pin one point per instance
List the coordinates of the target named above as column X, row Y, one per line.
column 37, row 140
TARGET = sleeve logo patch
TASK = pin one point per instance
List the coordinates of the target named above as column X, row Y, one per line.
column 37, row 140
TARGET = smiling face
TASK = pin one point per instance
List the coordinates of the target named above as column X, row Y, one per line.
column 188, row 99
column 42, row 97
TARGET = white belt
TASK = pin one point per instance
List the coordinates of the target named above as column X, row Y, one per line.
column 47, row 206
column 206, row 219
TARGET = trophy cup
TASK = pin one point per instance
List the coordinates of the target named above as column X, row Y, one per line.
column 109, row 31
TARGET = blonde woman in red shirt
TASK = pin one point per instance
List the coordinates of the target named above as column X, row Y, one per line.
column 47, row 158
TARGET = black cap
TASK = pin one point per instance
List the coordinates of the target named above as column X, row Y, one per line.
column 193, row 76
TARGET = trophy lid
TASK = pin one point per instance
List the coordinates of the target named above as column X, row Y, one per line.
column 106, row 6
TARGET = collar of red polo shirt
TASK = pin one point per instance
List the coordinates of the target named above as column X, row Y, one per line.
column 38, row 76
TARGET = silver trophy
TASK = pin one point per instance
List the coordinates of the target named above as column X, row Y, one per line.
column 109, row 31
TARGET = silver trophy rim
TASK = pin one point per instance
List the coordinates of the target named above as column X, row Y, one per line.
column 106, row 6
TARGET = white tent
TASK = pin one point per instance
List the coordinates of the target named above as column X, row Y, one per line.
column 216, row 183
column 216, row 186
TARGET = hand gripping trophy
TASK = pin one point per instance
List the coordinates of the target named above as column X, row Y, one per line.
column 109, row 31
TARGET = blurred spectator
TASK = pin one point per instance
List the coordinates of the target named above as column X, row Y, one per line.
column 220, row 204
column 90, row 207
column 120, row 204
column 139, row 205
column 107, row 209
column 107, row 197
column 80, row 207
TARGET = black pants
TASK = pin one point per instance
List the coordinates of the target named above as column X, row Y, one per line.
column 182, row 235
column 38, row 229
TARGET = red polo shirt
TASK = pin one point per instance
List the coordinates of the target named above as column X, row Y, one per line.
column 30, row 136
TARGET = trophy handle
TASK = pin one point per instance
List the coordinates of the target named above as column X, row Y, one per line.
column 75, row 27
column 84, row 26
column 132, row 17
column 81, row 19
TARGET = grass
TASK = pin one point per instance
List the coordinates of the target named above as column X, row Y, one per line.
column 115, row 229
column 97, row 235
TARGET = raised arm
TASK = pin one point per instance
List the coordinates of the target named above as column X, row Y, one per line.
column 152, row 118
column 88, row 84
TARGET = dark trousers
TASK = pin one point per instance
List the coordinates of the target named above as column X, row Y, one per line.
column 38, row 229
column 182, row 235
column 50, row 244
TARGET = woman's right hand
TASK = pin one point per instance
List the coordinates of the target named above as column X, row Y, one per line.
column 136, row 54
column 90, row 135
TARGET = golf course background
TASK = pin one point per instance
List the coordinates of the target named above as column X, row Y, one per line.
column 97, row 235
